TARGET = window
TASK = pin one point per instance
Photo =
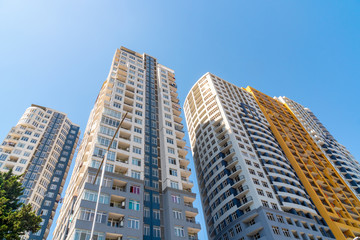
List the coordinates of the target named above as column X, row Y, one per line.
column 177, row 214
column 17, row 151
column 88, row 215
column 172, row 160
column 280, row 218
column 256, row 181
column 138, row 121
column 83, row 234
column 276, row 230
column 137, row 150
column 146, row 197
column 138, row 130
column 171, row 150
column 231, row 232
column 107, row 131
column 139, row 105
column 169, row 140
column 173, row 172
column 117, row 105
column 179, row 231
column 175, row 199
column 265, row 203
column 133, row 223
column 146, row 212
column 134, row 205
column 24, row 139
column 270, row 216
column 156, row 198
column 156, row 214
column 269, row 194
column 260, row 192
column 135, row 174
column 137, row 139
column 286, row 232
column 92, row 196
column 135, row 189
column 238, row 228
column 156, row 232
column 18, row 169
column 274, row 206
column 146, row 230
column 136, row 161
column 174, row 184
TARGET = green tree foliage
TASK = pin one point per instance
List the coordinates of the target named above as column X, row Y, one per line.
column 15, row 217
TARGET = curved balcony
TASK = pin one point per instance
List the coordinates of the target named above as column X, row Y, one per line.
column 241, row 191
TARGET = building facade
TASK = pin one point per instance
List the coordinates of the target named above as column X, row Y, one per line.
column 41, row 146
column 146, row 193
column 250, row 187
column 329, row 191
column 343, row 161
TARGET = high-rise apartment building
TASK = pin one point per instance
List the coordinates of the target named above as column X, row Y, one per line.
column 146, row 192
column 331, row 195
column 251, row 186
column 41, row 146
column 339, row 156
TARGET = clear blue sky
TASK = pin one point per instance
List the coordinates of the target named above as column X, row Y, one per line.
column 58, row 53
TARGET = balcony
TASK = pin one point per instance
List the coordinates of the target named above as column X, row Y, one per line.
column 177, row 119
column 235, row 171
column 173, row 93
column 192, row 237
column 121, row 170
column 188, row 184
column 182, row 151
column 188, row 204
column 115, row 223
column 184, row 161
column 180, row 142
column 179, row 127
column 191, row 220
column 185, row 171
column 117, row 202
column 124, row 146
column 242, row 191
column 226, row 146
column 232, row 162
column 115, row 220
column 221, row 141
column 238, row 180
column 229, row 154
column 119, row 186
column 246, row 202
column 122, row 158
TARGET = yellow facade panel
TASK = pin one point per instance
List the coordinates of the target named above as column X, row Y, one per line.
column 332, row 197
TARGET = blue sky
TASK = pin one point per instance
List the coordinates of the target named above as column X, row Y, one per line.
column 58, row 53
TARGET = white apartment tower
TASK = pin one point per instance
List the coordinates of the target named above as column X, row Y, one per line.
column 146, row 193
column 248, row 187
column 41, row 146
